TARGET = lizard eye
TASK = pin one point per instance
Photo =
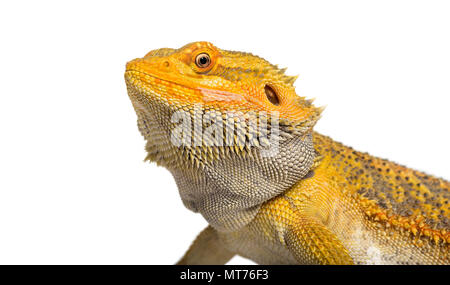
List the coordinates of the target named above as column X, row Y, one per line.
column 203, row 60
column 271, row 95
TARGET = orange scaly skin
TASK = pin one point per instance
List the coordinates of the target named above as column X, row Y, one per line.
column 315, row 202
column 372, row 227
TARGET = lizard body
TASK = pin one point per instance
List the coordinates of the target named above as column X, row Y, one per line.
column 300, row 198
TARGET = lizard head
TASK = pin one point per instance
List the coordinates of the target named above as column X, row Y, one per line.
column 234, row 107
column 200, row 73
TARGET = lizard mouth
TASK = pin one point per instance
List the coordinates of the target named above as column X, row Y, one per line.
column 131, row 75
column 148, row 87
column 146, row 83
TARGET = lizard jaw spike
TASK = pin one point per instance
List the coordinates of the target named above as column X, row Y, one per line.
column 291, row 79
column 321, row 109
column 282, row 70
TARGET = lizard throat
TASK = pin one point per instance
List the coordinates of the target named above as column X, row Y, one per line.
column 228, row 192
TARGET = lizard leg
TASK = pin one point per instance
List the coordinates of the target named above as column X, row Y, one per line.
column 311, row 242
column 206, row 249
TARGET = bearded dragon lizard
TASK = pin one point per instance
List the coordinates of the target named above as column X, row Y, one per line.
column 281, row 193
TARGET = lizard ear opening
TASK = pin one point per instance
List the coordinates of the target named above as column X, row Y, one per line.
column 271, row 95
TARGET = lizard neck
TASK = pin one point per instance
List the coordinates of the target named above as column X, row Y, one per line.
column 226, row 184
column 228, row 192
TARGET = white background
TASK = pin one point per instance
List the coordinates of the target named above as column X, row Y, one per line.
column 73, row 185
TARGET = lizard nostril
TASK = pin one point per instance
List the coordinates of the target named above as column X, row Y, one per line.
column 166, row 63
